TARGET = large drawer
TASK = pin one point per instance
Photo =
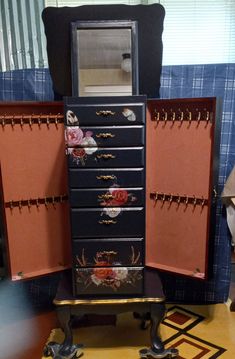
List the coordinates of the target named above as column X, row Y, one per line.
column 108, row 281
column 104, row 136
column 108, row 252
column 86, row 112
column 103, row 178
column 107, row 222
column 112, row 197
column 106, row 157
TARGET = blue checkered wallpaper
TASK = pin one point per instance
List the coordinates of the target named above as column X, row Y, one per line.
column 176, row 81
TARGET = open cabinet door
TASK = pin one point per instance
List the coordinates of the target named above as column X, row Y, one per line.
column 35, row 220
column 181, row 166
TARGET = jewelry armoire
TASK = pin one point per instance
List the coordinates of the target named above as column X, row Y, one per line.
column 119, row 188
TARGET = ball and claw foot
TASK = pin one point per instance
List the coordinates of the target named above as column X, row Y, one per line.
column 150, row 354
column 56, row 351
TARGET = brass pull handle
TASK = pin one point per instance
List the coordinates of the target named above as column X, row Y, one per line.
column 105, row 135
column 108, row 253
column 106, row 156
column 105, row 196
column 106, row 177
column 107, row 221
column 105, row 113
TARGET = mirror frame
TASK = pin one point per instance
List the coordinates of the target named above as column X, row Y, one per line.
column 114, row 24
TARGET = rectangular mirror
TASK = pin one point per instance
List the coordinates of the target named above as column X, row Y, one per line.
column 104, row 58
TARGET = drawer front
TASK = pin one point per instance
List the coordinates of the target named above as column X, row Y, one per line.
column 106, row 157
column 104, row 136
column 104, row 115
column 107, row 222
column 103, row 178
column 108, row 281
column 108, row 197
column 108, row 252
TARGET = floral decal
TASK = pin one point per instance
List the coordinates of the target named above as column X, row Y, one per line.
column 71, row 118
column 129, row 114
column 113, row 199
column 74, row 136
column 105, row 274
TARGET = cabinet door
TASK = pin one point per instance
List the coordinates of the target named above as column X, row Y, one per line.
column 35, row 214
column 181, row 173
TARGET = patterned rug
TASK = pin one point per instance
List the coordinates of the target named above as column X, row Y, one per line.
column 198, row 332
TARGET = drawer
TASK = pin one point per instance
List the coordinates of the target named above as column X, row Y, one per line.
column 103, row 178
column 107, row 136
column 102, row 112
column 106, row 157
column 108, row 252
column 108, row 281
column 108, row 197
column 110, row 222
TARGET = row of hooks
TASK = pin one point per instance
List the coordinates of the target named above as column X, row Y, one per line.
column 46, row 201
column 179, row 199
column 31, row 120
column 182, row 115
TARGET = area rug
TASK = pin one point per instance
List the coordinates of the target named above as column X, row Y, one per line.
column 198, row 332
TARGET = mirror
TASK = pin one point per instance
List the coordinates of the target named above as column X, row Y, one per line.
column 104, row 58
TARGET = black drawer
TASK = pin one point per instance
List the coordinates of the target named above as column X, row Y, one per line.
column 108, row 222
column 109, row 197
column 106, row 157
column 108, row 136
column 97, row 111
column 108, row 252
column 108, row 281
column 101, row 178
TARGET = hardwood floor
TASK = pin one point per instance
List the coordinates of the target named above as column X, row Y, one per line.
column 232, row 285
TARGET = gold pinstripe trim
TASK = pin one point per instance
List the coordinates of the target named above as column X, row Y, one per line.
column 108, row 301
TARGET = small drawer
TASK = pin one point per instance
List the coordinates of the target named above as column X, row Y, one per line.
column 104, row 136
column 108, row 197
column 103, row 178
column 109, row 222
column 108, row 281
column 106, row 157
column 102, row 112
column 114, row 252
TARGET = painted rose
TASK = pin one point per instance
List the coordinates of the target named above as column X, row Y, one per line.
column 103, row 273
column 121, row 274
column 78, row 152
column 120, row 196
column 89, row 144
column 73, row 136
column 112, row 212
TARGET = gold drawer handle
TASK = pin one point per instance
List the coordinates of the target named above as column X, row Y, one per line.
column 105, row 113
column 105, row 135
column 106, row 156
column 105, row 196
column 107, row 221
column 106, row 177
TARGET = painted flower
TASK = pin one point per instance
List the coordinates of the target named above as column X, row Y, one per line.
column 89, row 144
column 103, row 273
column 78, row 152
column 120, row 196
column 121, row 274
column 112, row 212
column 71, row 117
column 129, row 114
column 73, row 136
